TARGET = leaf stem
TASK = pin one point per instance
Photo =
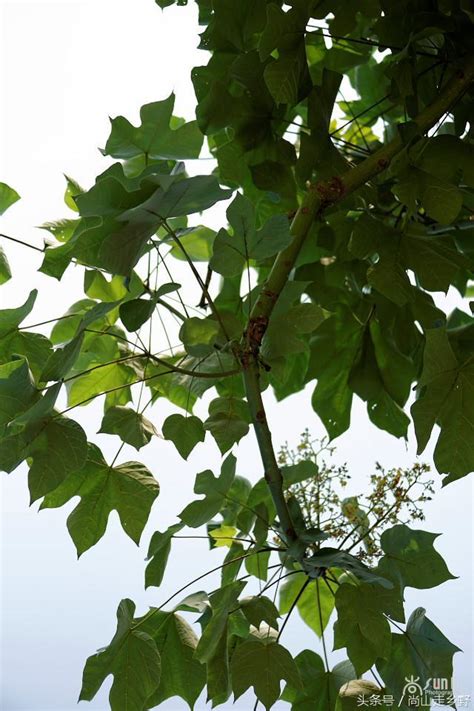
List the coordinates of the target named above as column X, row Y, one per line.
column 154, row 610
column 293, row 605
column 24, row 244
column 320, row 614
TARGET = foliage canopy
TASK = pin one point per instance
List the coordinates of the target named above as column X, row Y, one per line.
column 344, row 218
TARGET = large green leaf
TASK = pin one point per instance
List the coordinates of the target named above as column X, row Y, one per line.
column 361, row 626
column 59, row 450
column 320, row 688
column 17, row 391
column 232, row 252
column 336, row 344
column 128, row 488
column 113, row 377
column 30, row 428
column 155, row 138
column 218, row 672
column 263, row 667
column 132, row 657
column 181, row 674
column 35, row 347
column 183, row 197
column 199, row 336
column 259, row 609
column 423, row 653
column 435, row 260
column 411, row 559
column 314, row 609
column 445, row 392
column 222, row 602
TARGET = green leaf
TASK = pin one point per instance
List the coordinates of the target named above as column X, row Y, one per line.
column 421, row 652
column 222, row 603
column 361, row 626
column 114, row 377
column 214, row 489
column 218, row 672
column 228, row 421
column 158, row 554
column 96, row 286
column 56, row 444
column 184, row 432
column 335, row 346
column 58, row 451
column 259, row 609
column 184, row 197
column 154, row 138
column 282, row 78
column 17, row 391
column 196, row 242
column 39, row 413
column 131, row 426
column 256, row 563
column 199, row 335
column 232, row 252
column 72, row 190
column 435, row 260
column 118, row 222
column 133, row 659
column 181, row 674
column 10, row 319
column 263, row 667
column 35, row 347
column 8, row 197
column 296, row 322
column 62, row 360
column 391, row 280
column 62, row 230
column 296, row 473
column 136, row 312
column 5, row 271
column 128, row 488
column 315, row 614
column 440, row 198
column 410, row 558
column 445, row 398
column 319, row 688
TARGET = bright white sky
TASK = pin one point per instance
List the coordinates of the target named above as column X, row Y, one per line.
column 66, row 66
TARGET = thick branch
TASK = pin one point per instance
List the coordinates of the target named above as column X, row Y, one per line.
column 320, row 196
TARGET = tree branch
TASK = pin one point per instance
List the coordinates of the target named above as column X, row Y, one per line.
column 320, row 196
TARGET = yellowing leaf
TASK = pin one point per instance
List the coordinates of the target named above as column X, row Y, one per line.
column 223, row 536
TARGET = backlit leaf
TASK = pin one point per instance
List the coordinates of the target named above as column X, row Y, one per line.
column 263, row 667
column 128, row 488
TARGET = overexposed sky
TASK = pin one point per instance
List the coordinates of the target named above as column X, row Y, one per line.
column 66, row 66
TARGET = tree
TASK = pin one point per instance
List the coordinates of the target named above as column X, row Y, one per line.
column 343, row 218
